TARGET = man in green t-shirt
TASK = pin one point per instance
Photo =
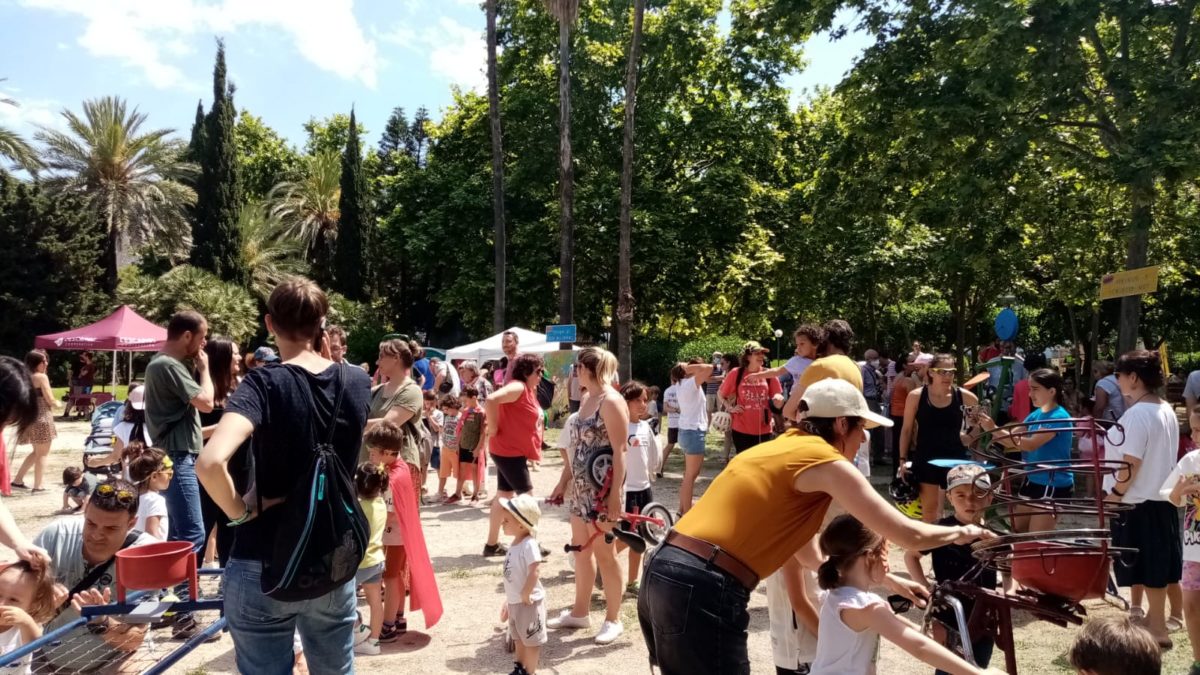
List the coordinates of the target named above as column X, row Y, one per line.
column 174, row 400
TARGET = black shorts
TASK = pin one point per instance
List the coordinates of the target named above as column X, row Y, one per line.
column 636, row 499
column 1031, row 490
column 743, row 442
column 1152, row 528
column 466, row 456
column 927, row 474
column 672, row 435
column 512, row 474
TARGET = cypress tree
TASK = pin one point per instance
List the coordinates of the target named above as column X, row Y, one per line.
column 195, row 155
column 420, row 136
column 349, row 262
column 217, row 245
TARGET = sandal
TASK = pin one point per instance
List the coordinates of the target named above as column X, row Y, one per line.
column 38, row 490
column 1174, row 624
column 17, row 484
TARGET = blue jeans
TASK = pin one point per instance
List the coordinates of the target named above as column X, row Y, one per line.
column 693, row 616
column 183, row 502
column 262, row 628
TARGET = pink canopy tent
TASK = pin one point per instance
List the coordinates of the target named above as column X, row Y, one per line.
column 122, row 331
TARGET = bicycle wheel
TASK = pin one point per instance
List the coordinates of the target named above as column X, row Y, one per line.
column 650, row 531
column 599, row 465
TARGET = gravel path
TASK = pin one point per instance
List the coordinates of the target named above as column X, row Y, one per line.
column 467, row 640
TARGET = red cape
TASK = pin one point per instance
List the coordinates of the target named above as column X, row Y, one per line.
column 422, row 585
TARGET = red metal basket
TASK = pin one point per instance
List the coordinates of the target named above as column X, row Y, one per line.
column 155, row 566
column 1071, row 572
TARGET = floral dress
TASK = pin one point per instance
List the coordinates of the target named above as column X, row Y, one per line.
column 587, row 435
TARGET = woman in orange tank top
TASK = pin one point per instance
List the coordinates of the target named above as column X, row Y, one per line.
column 767, row 504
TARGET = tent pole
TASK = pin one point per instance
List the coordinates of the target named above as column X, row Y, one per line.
column 114, row 371
column 130, row 369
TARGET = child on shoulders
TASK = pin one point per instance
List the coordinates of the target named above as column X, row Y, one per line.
column 852, row 618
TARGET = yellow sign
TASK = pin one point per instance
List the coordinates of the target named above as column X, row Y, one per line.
column 1162, row 357
column 1129, row 282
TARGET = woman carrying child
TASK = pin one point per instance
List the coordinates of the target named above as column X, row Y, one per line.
column 763, row 508
column 1050, row 443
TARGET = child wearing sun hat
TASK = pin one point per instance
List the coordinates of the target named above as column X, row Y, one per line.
column 525, row 606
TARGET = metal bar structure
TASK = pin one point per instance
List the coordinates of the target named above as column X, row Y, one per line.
column 49, row 638
column 184, row 649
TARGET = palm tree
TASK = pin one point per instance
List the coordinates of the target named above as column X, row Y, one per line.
column 13, row 146
column 625, row 288
column 308, row 208
column 269, row 254
column 500, row 243
column 131, row 181
column 565, row 12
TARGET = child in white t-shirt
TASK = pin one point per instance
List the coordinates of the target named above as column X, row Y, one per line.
column 524, row 597
column 1182, row 488
column 671, row 406
column 641, row 453
column 852, row 618
column 151, row 470
column 27, row 600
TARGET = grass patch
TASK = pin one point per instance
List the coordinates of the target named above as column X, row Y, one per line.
column 121, row 395
column 460, row 573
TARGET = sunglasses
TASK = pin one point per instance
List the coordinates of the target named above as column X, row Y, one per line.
column 944, row 371
column 124, row 497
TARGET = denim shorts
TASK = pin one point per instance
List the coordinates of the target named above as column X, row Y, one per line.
column 369, row 575
column 692, row 441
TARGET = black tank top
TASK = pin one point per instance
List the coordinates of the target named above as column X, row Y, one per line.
column 938, row 428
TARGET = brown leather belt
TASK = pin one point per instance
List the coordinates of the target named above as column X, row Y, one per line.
column 715, row 556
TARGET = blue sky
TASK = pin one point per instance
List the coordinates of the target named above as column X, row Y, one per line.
column 290, row 59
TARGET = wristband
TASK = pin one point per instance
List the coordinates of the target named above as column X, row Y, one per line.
column 241, row 519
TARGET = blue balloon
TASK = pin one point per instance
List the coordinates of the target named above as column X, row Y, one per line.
column 1006, row 324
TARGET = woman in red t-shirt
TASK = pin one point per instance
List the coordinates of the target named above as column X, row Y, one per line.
column 514, row 436
column 750, row 400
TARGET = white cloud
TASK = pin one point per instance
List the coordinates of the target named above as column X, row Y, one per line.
column 29, row 114
column 148, row 35
column 456, row 53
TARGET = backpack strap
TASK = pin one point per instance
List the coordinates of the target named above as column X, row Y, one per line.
column 98, row 571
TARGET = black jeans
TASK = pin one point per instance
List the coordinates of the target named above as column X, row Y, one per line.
column 897, row 427
column 693, row 615
column 876, row 434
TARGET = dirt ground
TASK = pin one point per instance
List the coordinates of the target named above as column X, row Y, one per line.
column 467, row 640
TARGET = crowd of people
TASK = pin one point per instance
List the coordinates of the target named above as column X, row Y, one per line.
column 218, row 450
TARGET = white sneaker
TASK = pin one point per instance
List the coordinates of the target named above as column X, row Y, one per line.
column 609, row 632
column 565, row 620
column 367, row 648
column 361, row 632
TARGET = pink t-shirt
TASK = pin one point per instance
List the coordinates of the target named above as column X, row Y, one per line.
column 754, row 396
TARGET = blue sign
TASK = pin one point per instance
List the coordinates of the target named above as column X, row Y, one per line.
column 564, row 333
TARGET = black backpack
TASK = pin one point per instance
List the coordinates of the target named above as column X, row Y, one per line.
column 320, row 534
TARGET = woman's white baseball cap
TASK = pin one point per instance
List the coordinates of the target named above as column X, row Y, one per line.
column 832, row 398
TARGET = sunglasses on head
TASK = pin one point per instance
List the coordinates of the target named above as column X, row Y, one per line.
column 124, row 497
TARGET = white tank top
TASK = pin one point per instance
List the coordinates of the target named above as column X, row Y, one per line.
column 841, row 650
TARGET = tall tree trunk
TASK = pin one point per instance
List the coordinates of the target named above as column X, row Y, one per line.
column 566, row 178
column 499, row 236
column 625, row 303
column 1141, row 199
column 111, row 255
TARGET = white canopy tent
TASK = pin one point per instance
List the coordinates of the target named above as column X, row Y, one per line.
column 528, row 342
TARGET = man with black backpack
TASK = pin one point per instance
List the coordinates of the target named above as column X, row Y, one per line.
column 299, row 539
